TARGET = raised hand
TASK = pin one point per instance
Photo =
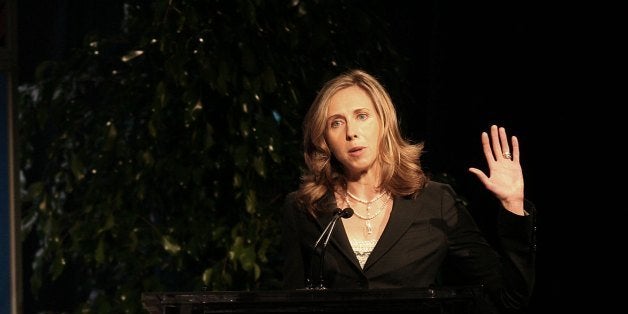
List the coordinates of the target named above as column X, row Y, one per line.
column 505, row 177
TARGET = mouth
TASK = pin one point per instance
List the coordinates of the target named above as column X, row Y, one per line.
column 356, row 150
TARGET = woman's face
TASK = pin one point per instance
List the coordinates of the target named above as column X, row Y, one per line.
column 352, row 130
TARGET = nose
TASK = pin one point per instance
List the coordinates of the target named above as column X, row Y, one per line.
column 351, row 134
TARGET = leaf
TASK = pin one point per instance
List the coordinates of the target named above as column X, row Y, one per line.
column 77, row 168
column 112, row 134
column 270, row 82
column 35, row 190
column 43, row 204
column 108, row 224
column 148, row 159
column 58, row 264
column 237, row 180
column 209, row 136
column 99, row 254
column 207, row 275
column 170, row 245
column 257, row 272
column 152, row 129
column 160, row 94
column 133, row 244
column 259, row 166
column 251, row 201
column 241, row 156
column 248, row 59
column 247, row 258
column 36, row 282
column 223, row 78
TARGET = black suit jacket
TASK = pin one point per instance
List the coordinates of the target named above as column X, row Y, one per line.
column 425, row 239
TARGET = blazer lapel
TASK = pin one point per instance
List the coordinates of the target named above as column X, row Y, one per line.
column 339, row 237
column 402, row 215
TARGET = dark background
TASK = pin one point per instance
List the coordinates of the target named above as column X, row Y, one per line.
column 475, row 64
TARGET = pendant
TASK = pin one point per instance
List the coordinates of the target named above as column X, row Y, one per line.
column 369, row 227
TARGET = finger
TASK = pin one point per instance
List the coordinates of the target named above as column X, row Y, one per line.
column 486, row 147
column 497, row 150
column 504, row 143
column 515, row 148
column 480, row 174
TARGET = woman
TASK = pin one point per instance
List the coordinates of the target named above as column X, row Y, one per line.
column 406, row 230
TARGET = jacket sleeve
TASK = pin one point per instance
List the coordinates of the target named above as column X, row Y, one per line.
column 507, row 275
column 292, row 254
column 517, row 236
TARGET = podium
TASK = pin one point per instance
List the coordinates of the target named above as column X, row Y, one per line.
column 407, row 300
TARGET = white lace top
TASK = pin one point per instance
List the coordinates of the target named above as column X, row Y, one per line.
column 363, row 249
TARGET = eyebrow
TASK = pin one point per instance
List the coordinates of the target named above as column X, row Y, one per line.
column 354, row 112
column 332, row 117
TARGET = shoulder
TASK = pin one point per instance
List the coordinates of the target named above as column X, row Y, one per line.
column 290, row 209
column 292, row 203
column 291, row 197
column 290, row 200
column 436, row 189
column 436, row 185
column 437, row 196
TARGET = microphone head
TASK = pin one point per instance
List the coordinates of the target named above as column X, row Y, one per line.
column 346, row 213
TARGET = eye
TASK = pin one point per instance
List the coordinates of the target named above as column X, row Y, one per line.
column 335, row 123
column 362, row 116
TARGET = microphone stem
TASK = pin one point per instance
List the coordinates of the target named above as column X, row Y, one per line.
column 323, row 249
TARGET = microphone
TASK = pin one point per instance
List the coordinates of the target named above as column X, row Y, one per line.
column 329, row 229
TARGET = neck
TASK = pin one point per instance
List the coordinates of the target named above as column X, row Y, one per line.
column 364, row 190
column 365, row 184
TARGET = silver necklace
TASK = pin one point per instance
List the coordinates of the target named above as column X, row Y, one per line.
column 368, row 217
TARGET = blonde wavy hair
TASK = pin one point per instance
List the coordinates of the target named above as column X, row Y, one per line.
column 401, row 172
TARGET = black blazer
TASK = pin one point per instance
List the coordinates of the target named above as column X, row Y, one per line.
column 429, row 240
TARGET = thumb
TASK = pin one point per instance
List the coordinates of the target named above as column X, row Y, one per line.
column 479, row 174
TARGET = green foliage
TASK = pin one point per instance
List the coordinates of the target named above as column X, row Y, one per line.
column 157, row 159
